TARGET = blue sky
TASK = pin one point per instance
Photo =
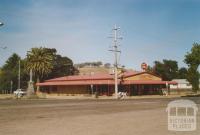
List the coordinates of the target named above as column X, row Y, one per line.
column 151, row 29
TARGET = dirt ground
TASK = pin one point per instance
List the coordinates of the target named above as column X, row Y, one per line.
column 88, row 117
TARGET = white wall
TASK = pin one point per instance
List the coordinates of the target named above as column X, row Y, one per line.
column 181, row 86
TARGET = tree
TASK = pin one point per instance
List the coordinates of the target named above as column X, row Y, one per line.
column 93, row 64
column 149, row 69
column 62, row 66
column 193, row 77
column 47, row 64
column 98, row 63
column 158, row 69
column 9, row 72
column 40, row 60
column 107, row 65
column 44, row 62
column 182, row 73
column 167, row 69
column 171, row 69
column 192, row 59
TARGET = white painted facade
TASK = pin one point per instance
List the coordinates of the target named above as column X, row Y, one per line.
column 182, row 84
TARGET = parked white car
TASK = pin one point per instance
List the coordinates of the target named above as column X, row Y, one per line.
column 19, row 93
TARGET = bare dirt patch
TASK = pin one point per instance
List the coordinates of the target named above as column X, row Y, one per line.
column 85, row 117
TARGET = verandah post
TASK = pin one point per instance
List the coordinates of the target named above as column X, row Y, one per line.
column 108, row 90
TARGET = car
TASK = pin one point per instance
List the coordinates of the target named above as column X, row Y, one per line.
column 19, row 93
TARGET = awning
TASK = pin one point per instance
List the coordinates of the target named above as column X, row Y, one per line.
column 126, row 82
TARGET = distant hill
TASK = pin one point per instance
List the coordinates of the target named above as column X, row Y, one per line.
column 98, row 70
column 88, row 68
column 94, row 70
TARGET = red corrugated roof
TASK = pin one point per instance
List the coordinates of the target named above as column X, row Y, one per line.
column 130, row 73
column 103, row 82
column 133, row 73
column 83, row 77
column 99, row 79
column 83, row 82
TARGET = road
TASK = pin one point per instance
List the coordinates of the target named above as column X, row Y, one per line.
column 87, row 117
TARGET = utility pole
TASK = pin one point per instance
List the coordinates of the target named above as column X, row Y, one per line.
column 11, row 85
column 19, row 76
column 116, row 51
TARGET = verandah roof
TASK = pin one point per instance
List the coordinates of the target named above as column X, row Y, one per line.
column 80, row 82
column 100, row 79
column 104, row 82
column 148, row 82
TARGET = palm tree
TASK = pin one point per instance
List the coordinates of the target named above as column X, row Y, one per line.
column 40, row 60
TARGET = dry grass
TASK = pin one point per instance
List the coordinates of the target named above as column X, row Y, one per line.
column 95, row 70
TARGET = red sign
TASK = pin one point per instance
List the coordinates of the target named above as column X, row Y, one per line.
column 144, row 66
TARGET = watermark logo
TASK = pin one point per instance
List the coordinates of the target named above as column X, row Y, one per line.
column 182, row 115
